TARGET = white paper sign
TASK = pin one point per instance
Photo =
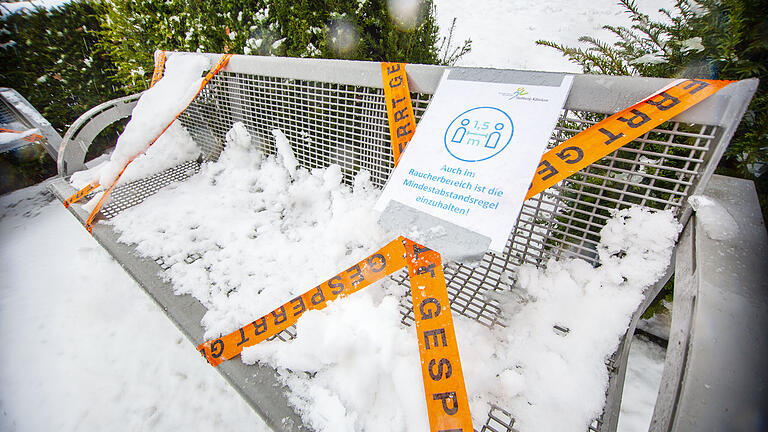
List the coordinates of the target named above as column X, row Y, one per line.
column 476, row 148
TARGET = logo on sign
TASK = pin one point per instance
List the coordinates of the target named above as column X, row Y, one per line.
column 478, row 134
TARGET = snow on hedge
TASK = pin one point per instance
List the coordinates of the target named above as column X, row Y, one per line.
column 9, row 8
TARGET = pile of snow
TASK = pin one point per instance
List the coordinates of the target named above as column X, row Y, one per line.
column 363, row 363
column 714, row 218
column 252, row 231
column 551, row 373
column 155, row 110
column 152, row 379
column 173, row 147
column 263, row 230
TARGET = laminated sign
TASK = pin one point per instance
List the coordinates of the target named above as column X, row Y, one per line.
column 472, row 158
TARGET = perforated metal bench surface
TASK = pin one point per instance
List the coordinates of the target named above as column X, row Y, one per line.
column 333, row 112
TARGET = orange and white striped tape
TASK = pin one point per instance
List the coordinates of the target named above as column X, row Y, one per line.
column 159, row 67
column 594, row 143
column 444, row 389
column 397, row 98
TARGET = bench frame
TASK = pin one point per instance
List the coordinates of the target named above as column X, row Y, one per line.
column 590, row 93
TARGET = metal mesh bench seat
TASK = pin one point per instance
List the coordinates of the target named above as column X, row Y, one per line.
column 333, row 112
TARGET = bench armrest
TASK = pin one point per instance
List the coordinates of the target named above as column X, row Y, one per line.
column 86, row 128
column 714, row 373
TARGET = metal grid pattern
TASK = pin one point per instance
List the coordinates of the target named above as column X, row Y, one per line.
column 499, row 420
column 131, row 194
column 326, row 123
column 330, row 123
column 346, row 125
column 656, row 171
column 466, row 290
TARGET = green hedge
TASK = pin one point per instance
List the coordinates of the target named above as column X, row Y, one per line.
column 351, row 29
column 72, row 58
column 51, row 58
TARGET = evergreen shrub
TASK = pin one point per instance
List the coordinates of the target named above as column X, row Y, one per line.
column 348, row 29
column 708, row 39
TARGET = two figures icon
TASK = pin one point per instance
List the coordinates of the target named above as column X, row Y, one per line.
column 475, row 138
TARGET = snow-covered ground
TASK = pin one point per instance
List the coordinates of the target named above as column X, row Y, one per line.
column 90, row 347
column 641, row 385
column 87, row 349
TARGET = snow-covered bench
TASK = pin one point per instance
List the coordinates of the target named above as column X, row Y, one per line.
column 333, row 112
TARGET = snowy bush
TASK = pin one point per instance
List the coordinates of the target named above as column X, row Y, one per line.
column 709, row 39
column 352, row 29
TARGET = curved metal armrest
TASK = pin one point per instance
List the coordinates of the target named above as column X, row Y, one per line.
column 715, row 377
column 84, row 130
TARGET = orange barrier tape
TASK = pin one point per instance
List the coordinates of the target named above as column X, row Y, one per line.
column 592, row 144
column 447, row 402
column 103, row 199
column 28, row 138
column 89, row 222
column 156, row 75
column 216, row 69
column 79, row 195
column 159, row 66
column 444, row 389
column 397, row 98
column 384, row 262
